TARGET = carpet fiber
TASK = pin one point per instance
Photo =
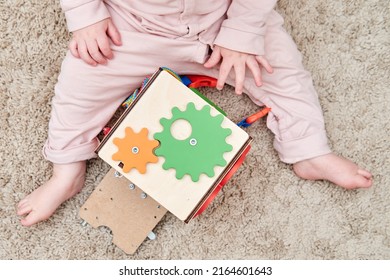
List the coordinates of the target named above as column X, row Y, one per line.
column 265, row 211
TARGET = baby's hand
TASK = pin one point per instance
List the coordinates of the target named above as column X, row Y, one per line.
column 92, row 43
column 239, row 61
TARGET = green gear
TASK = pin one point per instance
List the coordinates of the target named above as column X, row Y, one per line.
column 201, row 151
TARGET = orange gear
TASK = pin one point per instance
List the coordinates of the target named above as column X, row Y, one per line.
column 135, row 150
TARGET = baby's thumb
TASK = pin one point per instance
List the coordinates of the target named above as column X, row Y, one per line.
column 114, row 34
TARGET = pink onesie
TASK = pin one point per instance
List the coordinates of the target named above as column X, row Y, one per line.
column 179, row 34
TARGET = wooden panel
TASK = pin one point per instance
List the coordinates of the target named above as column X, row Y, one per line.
column 129, row 216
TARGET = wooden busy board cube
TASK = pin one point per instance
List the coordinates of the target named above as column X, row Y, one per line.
column 169, row 151
column 173, row 145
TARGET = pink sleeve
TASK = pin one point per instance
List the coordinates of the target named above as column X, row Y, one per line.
column 82, row 13
column 245, row 26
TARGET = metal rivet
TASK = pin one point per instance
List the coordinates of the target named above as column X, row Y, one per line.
column 143, row 195
column 193, row 142
column 117, row 174
column 131, row 186
column 135, row 150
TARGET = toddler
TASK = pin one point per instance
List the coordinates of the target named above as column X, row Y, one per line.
column 116, row 43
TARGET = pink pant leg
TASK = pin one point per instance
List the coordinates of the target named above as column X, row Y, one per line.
column 85, row 99
column 296, row 118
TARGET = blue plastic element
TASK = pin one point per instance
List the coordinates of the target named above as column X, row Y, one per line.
column 186, row 81
column 244, row 123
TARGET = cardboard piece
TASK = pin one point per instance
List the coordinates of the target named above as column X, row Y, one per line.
column 124, row 210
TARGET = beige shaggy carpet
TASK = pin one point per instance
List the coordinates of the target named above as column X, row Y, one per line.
column 265, row 211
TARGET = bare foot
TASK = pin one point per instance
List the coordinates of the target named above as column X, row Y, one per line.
column 335, row 169
column 67, row 181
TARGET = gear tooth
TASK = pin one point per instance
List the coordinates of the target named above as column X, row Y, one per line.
column 175, row 110
column 144, row 132
column 128, row 131
column 142, row 169
column 221, row 162
column 179, row 175
column 210, row 172
column 159, row 151
column 115, row 156
column 219, row 118
column 195, row 177
column 191, row 106
column 164, row 121
column 126, row 168
column 118, row 141
column 228, row 131
column 156, row 149
column 225, row 132
column 166, row 165
column 154, row 159
column 154, row 144
column 206, row 109
column 229, row 148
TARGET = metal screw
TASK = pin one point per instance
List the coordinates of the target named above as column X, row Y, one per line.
column 152, row 235
column 131, row 186
column 135, row 150
column 193, row 142
column 143, row 195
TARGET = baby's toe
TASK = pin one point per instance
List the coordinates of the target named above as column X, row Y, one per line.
column 24, row 209
column 362, row 181
column 23, row 202
column 365, row 173
column 32, row 218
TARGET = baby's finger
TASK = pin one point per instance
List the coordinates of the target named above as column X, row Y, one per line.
column 73, row 48
column 264, row 62
column 256, row 71
column 104, row 47
column 84, row 54
column 114, row 34
column 95, row 53
column 239, row 70
column 224, row 71
column 214, row 58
